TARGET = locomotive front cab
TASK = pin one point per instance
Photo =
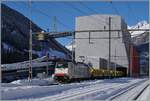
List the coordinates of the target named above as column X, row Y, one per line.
column 61, row 72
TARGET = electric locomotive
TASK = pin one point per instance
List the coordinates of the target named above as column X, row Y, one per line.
column 68, row 71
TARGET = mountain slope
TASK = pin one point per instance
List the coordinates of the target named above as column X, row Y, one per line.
column 140, row 25
column 15, row 38
column 140, row 37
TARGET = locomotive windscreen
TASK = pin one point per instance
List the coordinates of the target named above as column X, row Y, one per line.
column 62, row 65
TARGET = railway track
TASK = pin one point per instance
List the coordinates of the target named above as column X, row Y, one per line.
column 122, row 92
column 140, row 94
column 95, row 89
column 131, row 93
column 81, row 93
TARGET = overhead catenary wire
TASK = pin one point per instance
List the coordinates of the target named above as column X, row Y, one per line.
column 88, row 7
column 131, row 10
column 92, row 10
column 83, row 12
column 114, row 8
column 59, row 21
column 49, row 16
column 74, row 7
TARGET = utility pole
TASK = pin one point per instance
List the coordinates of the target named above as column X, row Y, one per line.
column 99, row 63
column 30, row 45
column 0, row 57
column 109, row 53
column 47, row 56
column 131, row 54
column 73, row 43
column 115, row 61
column 54, row 26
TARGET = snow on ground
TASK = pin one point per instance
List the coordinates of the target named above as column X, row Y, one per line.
column 145, row 95
column 27, row 91
column 36, row 81
column 98, row 91
column 92, row 89
column 132, row 93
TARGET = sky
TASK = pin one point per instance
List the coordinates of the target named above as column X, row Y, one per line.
column 62, row 14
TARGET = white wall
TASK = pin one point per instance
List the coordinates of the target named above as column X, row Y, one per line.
column 99, row 47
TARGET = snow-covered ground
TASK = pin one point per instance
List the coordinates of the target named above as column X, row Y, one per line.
column 145, row 96
column 92, row 89
column 36, row 81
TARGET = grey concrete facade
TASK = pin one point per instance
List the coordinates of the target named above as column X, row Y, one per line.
column 94, row 47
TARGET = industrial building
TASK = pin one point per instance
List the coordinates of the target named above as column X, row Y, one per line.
column 102, row 41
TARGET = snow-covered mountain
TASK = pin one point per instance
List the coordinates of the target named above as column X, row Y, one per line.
column 140, row 25
column 140, row 37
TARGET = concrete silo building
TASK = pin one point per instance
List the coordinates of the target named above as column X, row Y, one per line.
column 95, row 48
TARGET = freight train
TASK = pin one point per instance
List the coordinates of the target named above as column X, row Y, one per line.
column 69, row 71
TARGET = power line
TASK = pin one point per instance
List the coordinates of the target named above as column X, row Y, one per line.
column 74, row 7
column 47, row 15
column 67, row 11
column 59, row 21
column 88, row 7
column 81, row 3
column 83, row 12
column 131, row 10
column 113, row 7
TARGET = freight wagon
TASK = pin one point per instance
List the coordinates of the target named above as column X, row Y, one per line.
column 69, row 71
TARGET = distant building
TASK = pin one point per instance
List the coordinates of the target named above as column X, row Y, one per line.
column 93, row 48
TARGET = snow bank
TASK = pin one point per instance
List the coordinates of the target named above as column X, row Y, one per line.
column 34, row 91
column 41, row 82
